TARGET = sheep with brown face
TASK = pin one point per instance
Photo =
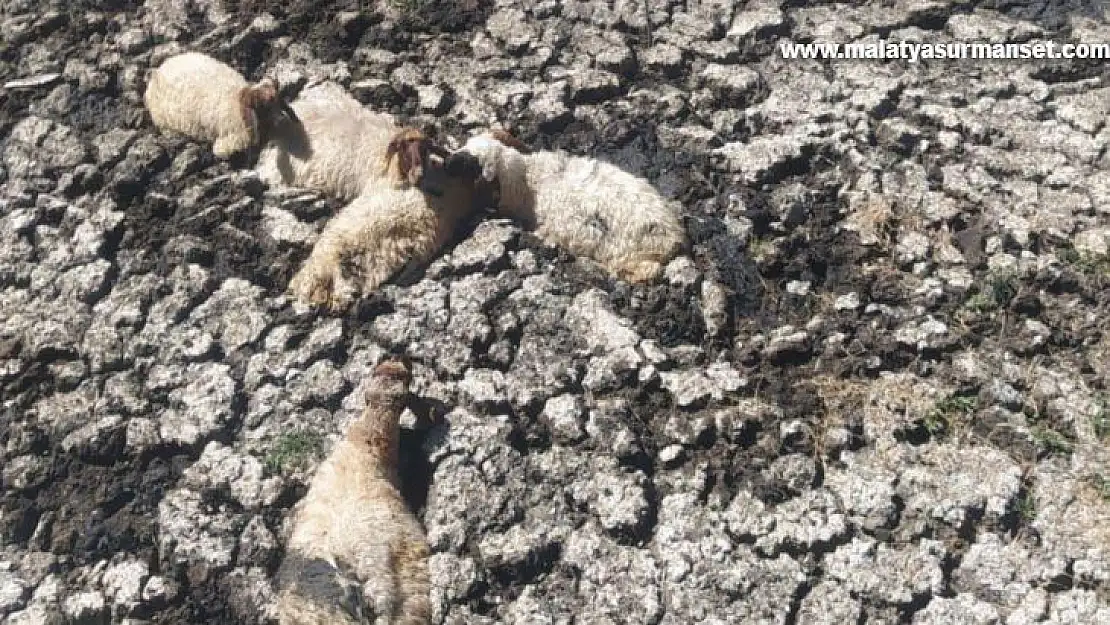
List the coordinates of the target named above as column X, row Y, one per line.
column 389, row 227
column 589, row 207
column 205, row 99
column 341, row 149
column 413, row 149
column 356, row 553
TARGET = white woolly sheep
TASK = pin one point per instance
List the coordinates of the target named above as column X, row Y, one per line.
column 385, row 229
column 589, row 207
column 207, row 100
column 356, row 553
column 340, row 146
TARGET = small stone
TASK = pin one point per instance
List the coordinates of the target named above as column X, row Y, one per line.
column 565, row 415
column 484, row 386
column 123, row 583
column 201, row 407
column 756, row 20
column 591, row 86
column 797, row 287
column 665, row 58
column 13, row 593
column 433, row 99
column 618, row 498
column 284, row 227
column 735, row 85
column 671, row 454
column 682, row 272
column 86, row 608
column 849, row 301
column 513, row 29
column 603, row 330
column 159, row 590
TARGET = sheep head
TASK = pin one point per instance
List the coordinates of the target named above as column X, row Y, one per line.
column 379, row 427
column 262, row 106
column 466, row 167
column 390, row 379
column 488, row 152
column 503, row 169
column 412, row 149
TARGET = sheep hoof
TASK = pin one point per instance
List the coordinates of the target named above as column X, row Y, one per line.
column 226, row 147
column 222, row 150
column 640, row 271
column 320, row 287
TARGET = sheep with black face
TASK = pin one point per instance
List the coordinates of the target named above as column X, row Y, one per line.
column 589, row 207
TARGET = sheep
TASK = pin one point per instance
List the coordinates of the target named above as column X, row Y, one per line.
column 589, row 207
column 356, row 553
column 203, row 98
column 385, row 229
column 340, row 146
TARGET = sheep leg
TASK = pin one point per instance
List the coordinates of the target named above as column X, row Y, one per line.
column 378, row 241
column 637, row 269
column 228, row 145
column 390, row 243
column 320, row 281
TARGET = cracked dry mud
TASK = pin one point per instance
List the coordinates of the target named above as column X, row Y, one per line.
column 876, row 392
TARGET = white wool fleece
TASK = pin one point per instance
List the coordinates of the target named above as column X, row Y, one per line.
column 589, row 207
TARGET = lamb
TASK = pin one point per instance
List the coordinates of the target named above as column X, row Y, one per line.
column 340, row 146
column 384, row 230
column 356, row 553
column 205, row 99
column 589, row 207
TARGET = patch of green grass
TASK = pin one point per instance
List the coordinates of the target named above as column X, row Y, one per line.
column 409, row 7
column 1090, row 265
column 949, row 412
column 293, row 450
column 1101, row 420
column 1046, row 435
column 1051, row 441
column 1027, row 506
column 998, row 290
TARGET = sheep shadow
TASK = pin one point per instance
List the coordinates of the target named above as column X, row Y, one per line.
column 289, row 140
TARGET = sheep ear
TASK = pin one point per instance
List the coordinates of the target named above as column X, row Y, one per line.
column 503, row 137
column 246, row 109
column 390, row 152
column 288, row 112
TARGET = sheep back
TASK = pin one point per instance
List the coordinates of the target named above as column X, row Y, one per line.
column 589, row 207
column 339, row 147
column 598, row 210
column 198, row 96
